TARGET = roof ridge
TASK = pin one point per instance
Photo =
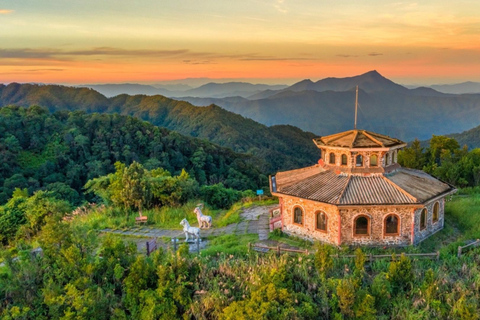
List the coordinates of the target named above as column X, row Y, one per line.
column 344, row 189
column 399, row 188
column 339, row 135
column 373, row 139
column 354, row 138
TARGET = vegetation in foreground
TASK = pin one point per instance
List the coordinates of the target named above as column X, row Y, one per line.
column 82, row 276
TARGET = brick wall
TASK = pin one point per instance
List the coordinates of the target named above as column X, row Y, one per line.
column 431, row 227
column 377, row 215
column 308, row 229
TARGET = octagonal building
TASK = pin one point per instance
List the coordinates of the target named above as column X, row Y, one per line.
column 358, row 194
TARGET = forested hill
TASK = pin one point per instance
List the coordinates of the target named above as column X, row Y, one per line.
column 61, row 151
column 471, row 138
column 280, row 147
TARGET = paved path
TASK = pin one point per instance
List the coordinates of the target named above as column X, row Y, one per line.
column 254, row 220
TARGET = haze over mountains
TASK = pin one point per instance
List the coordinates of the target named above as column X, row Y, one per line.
column 327, row 106
column 213, row 90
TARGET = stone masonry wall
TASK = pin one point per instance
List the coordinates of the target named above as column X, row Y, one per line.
column 377, row 216
column 431, row 227
column 308, row 229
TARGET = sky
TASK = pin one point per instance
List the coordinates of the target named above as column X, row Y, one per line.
column 271, row 41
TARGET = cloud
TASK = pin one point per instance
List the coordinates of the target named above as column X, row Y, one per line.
column 195, row 62
column 346, row 55
column 101, row 53
column 5, row 11
column 374, row 54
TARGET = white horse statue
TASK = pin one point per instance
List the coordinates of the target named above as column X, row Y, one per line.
column 193, row 231
column 203, row 221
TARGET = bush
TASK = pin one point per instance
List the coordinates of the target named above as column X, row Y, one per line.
column 219, row 197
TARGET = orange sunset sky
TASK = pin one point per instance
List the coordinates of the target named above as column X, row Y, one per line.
column 281, row 41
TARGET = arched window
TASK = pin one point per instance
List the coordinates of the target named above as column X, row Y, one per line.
column 344, row 159
column 359, row 161
column 321, row 221
column 391, row 225
column 387, row 159
column 298, row 215
column 423, row 219
column 362, row 226
column 436, row 209
column 373, row 160
column 332, row 158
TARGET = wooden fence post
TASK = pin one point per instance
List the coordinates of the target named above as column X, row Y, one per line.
column 459, row 252
column 371, row 257
column 438, row 255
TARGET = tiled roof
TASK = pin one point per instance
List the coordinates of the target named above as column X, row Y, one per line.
column 373, row 190
column 326, row 186
column 419, row 184
column 401, row 187
column 358, row 139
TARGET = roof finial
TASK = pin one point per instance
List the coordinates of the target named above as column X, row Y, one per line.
column 356, row 105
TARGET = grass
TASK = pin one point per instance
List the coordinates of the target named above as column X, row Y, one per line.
column 165, row 217
column 229, row 244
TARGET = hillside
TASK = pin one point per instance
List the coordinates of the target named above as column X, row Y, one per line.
column 41, row 150
column 295, row 148
column 470, row 138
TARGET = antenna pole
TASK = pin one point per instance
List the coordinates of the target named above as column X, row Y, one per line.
column 356, row 105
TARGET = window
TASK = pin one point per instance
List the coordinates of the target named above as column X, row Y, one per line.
column 344, row 159
column 298, row 216
column 359, row 161
column 387, row 159
column 423, row 219
column 321, row 153
column 436, row 209
column 321, row 221
column 332, row 158
column 362, row 225
column 373, row 160
column 391, row 225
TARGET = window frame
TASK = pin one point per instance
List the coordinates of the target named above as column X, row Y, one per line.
column 331, row 157
column 317, row 213
column 423, row 220
column 376, row 160
column 387, row 159
column 355, row 234
column 356, row 161
column 303, row 216
column 346, row 160
column 436, row 212
column 385, row 225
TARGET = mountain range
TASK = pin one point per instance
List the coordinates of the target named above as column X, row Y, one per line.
column 214, row 90
column 327, row 106
column 276, row 147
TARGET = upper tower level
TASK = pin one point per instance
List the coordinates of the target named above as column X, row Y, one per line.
column 359, row 151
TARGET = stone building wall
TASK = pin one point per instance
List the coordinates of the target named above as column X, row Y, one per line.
column 377, row 215
column 308, row 229
column 431, row 226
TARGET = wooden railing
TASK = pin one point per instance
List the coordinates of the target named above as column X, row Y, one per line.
column 474, row 244
column 370, row 257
